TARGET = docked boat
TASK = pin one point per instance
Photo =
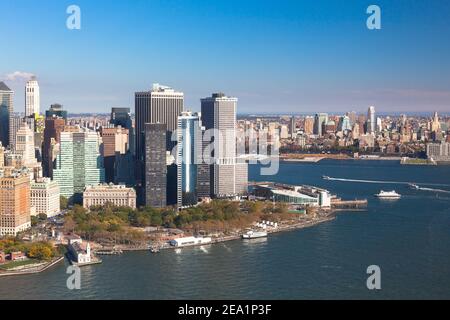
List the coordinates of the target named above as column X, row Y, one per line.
column 254, row 234
column 388, row 195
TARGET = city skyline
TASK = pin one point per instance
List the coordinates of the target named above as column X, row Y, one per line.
column 285, row 65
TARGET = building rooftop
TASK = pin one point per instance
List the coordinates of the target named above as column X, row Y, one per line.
column 110, row 186
column 4, row 87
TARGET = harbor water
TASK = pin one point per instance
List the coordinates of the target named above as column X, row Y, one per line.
column 409, row 239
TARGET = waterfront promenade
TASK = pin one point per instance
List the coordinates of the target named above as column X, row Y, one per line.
column 37, row 268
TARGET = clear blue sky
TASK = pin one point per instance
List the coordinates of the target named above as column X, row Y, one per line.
column 286, row 56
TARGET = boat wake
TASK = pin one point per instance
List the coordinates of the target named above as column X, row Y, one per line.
column 392, row 182
column 433, row 190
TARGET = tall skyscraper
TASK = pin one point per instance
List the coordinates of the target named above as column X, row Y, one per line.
column 309, row 125
column 54, row 125
column 121, row 117
column 6, row 110
column 79, row 163
column 15, row 123
column 435, row 124
column 32, row 99
column 160, row 105
column 25, row 146
column 203, row 170
column 155, row 165
column 293, row 127
column 14, row 201
column 219, row 112
column 56, row 110
column 371, row 120
column 320, row 120
column 188, row 148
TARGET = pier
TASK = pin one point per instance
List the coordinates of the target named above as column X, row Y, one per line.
column 349, row 204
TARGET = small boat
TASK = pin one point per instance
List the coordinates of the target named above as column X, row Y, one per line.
column 326, row 177
column 388, row 195
column 413, row 186
column 154, row 250
column 254, row 234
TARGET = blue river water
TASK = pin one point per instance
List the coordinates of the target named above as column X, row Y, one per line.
column 409, row 239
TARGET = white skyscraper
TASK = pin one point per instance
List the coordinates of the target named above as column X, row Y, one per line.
column 32, row 99
column 229, row 176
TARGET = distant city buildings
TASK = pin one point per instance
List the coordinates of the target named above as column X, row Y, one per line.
column 320, row 120
column 103, row 194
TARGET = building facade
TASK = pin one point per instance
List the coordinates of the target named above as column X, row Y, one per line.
column 78, row 163
column 189, row 136
column 155, row 165
column 439, row 151
column 6, row 110
column 116, row 195
column 219, row 114
column 14, row 201
column 54, row 125
column 25, row 146
column 45, row 197
column 115, row 142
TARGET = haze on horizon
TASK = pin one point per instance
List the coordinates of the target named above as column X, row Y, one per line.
column 292, row 56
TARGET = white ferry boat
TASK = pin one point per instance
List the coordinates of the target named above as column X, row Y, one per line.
column 388, row 195
column 254, row 234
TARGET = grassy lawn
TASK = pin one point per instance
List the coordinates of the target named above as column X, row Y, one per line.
column 14, row 264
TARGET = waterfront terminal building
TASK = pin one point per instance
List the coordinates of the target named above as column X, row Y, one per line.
column 294, row 195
